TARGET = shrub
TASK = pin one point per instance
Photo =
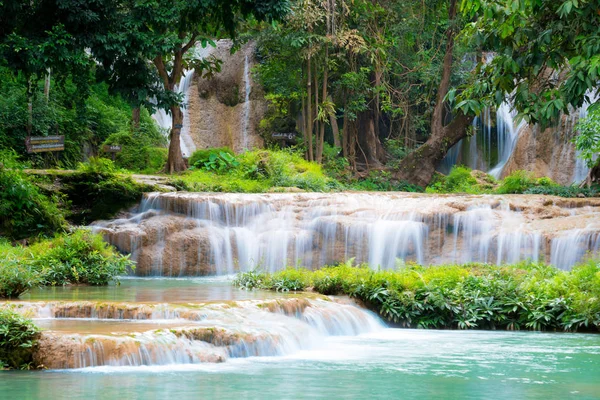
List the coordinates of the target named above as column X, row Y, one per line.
column 24, row 210
column 471, row 296
column 18, row 337
column 139, row 152
column 78, row 258
column 16, row 276
column 517, row 182
column 459, row 180
column 97, row 191
column 199, row 157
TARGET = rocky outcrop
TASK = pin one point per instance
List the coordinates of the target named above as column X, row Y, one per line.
column 550, row 152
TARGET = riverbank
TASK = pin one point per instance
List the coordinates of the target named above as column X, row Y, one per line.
column 524, row 296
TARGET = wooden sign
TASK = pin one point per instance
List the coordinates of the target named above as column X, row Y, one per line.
column 112, row 148
column 291, row 136
column 40, row 144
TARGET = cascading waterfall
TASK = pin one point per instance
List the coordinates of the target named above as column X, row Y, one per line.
column 246, row 114
column 200, row 234
column 492, row 144
column 202, row 333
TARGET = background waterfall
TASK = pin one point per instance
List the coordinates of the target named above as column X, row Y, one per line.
column 491, row 145
column 246, row 114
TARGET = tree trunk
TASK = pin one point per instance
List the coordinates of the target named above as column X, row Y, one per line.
column 29, row 106
column 309, row 122
column 47, row 85
column 175, row 161
column 335, row 130
column 419, row 166
column 135, row 118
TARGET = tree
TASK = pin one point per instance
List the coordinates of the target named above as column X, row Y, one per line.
column 167, row 32
column 546, row 55
column 588, row 143
column 419, row 166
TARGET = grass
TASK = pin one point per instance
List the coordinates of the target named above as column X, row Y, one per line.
column 526, row 296
column 255, row 172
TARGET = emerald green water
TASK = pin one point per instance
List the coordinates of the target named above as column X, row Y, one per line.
column 393, row 363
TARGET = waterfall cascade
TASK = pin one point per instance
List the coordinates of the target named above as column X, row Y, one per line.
column 161, row 334
column 506, row 144
column 492, row 144
column 179, row 234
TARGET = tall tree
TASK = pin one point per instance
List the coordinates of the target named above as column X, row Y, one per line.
column 167, row 32
column 419, row 166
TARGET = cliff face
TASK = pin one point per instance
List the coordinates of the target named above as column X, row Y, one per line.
column 226, row 109
column 547, row 153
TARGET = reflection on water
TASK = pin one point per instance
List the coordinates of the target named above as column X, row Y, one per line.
column 145, row 290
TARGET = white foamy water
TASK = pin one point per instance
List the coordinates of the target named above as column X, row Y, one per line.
column 187, row 234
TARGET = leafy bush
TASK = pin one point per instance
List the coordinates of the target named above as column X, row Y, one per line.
column 16, row 276
column 517, row 182
column 140, row 152
column 382, row 181
column 24, row 210
column 97, row 191
column 78, row 258
column 200, row 157
column 18, row 337
column 562, row 191
column 472, row 296
column 459, row 180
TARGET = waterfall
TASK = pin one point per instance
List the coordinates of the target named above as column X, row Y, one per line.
column 182, row 234
column 246, row 114
column 190, row 334
column 492, row 144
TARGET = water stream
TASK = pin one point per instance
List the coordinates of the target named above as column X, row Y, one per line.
column 246, row 114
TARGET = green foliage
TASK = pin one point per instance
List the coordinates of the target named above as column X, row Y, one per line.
column 142, row 150
column 16, row 277
column 18, row 337
column 529, row 39
column 563, row 191
column 517, row 182
column 98, row 191
column 200, row 157
column 471, row 296
column 588, row 140
column 459, row 180
column 80, row 257
column 24, row 210
column 254, row 171
column 378, row 180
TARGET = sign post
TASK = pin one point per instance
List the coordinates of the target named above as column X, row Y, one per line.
column 41, row 144
column 112, row 149
column 284, row 138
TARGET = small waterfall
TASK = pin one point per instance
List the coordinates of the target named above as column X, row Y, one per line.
column 181, row 234
column 246, row 115
column 212, row 333
column 492, row 144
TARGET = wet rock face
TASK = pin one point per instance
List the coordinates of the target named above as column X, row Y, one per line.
column 220, row 111
column 190, row 234
column 546, row 153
